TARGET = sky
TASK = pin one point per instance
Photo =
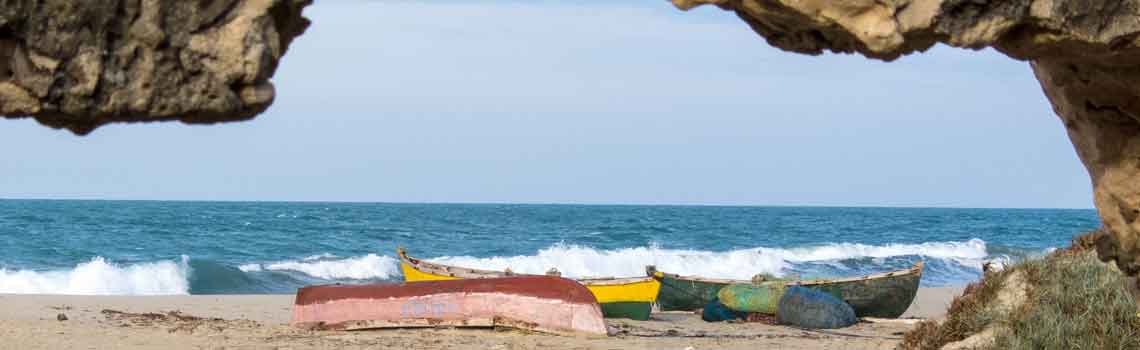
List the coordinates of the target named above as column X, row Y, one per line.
column 583, row 102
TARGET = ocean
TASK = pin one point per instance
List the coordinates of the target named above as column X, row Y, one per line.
column 181, row 247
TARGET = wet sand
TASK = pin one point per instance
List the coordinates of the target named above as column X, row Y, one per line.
column 260, row 322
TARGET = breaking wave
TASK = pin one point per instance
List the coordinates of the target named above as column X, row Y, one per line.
column 579, row 261
column 329, row 267
column 102, row 277
column 948, row 263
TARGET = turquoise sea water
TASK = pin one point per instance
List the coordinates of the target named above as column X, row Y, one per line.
column 153, row 247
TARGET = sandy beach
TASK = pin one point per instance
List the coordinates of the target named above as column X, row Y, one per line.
column 260, row 322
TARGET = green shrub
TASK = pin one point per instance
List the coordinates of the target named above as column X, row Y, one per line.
column 968, row 314
column 1074, row 301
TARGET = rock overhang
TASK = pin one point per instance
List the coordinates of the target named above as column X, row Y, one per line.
column 82, row 64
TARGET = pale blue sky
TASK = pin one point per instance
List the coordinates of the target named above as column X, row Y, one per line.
column 583, row 102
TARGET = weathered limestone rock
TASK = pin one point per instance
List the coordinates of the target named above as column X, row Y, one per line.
column 1086, row 54
column 79, row 64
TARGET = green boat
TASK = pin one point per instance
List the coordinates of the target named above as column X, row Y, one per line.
column 885, row 295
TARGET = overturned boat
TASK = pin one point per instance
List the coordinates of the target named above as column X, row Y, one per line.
column 885, row 295
column 630, row 298
column 535, row 303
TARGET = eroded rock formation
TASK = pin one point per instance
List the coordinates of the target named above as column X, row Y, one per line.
column 1085, row 53
column 79, row 64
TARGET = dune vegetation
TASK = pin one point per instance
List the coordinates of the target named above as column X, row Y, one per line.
column 1065, row 300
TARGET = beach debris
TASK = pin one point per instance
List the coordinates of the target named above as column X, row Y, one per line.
column 309, row 326
column 151, row 317
column 653, row 330
column 717, row 312
column 814, row 309
column 756, row 317
column 175, row 321
column 892, row 320
column 61, row 317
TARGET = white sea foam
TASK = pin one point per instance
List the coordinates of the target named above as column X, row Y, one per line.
column 101, row 277
column 250, row 268
column 972, row 249
column 370, row 266
column 578, row 261
column 321, row 256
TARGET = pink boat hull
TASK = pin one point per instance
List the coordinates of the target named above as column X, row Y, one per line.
column 538, row 303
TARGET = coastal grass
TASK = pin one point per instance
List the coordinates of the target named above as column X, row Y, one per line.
column 1073, row 301
column 969, row 313
column 1076, row 302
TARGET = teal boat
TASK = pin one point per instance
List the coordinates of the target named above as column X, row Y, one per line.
column 885, row 295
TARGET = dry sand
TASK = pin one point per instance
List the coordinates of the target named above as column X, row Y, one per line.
column 259, row 322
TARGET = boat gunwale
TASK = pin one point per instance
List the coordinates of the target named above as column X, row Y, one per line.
column 468, row 273
column 914, row 270
column 612, row 281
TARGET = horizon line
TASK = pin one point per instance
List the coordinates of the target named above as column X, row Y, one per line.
column 754, row 205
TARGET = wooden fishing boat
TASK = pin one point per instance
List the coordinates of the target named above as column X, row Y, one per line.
column 537, row 303
column 630, row 298
column 884, row 295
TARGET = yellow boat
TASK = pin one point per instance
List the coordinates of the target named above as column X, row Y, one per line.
column 631, row 297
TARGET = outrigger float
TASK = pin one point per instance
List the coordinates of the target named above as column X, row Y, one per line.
column 631, row 298
column 535, row 303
